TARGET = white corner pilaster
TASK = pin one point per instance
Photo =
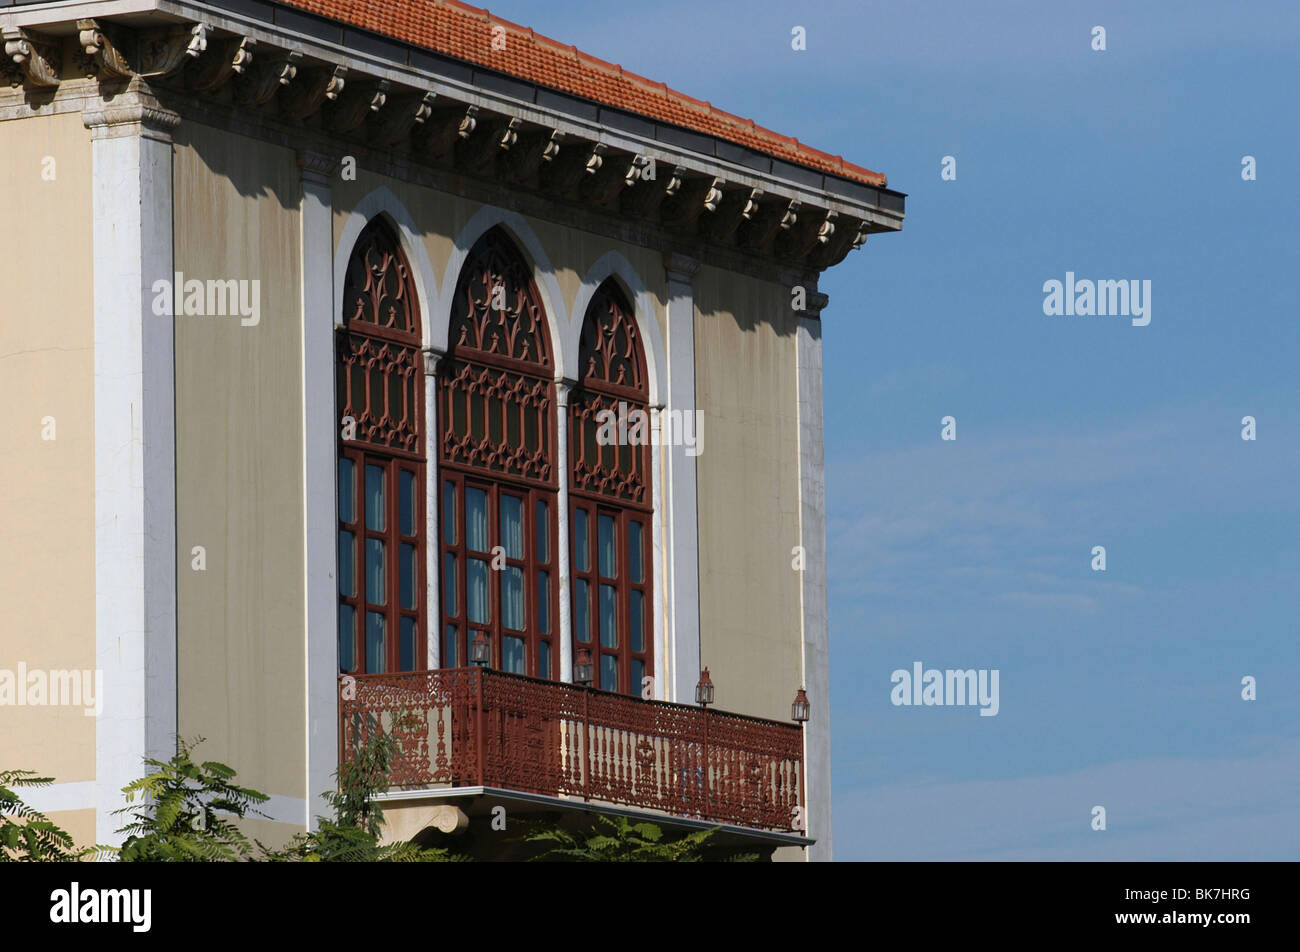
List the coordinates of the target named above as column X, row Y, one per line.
column 562, row 391
column 812, row 536
column 319, row 492
column 682, row 528
column 135, row 445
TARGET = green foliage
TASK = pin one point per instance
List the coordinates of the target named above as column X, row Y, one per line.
column 187, row 812
column 26, row 834
column 617, row 839
column 353, row 835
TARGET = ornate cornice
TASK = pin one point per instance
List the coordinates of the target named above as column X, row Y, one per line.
column 272, row 82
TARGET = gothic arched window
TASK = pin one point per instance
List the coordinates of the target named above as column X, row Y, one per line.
column 380, row 393
column 496, row 429
column 609, row 491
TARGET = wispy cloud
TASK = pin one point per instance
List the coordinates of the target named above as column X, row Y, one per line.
column 1245, row 807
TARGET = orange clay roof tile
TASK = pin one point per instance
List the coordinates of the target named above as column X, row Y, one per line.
column 464, row 32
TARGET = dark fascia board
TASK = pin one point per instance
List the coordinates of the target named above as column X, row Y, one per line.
column 407, row 54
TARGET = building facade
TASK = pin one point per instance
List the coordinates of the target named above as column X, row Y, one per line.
column 386, row 366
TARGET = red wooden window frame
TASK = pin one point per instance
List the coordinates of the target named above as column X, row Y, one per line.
column 498, row 362
column 611, row 481
column 380, row 402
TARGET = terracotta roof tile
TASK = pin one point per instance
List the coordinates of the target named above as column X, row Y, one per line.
column 465, row 33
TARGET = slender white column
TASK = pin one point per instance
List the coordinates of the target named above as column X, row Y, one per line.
column 562, row 389
column 432, row 504
column 135, row 445
column 683, row 528
column 663, row 657
column 812, row 536
column 320, row 435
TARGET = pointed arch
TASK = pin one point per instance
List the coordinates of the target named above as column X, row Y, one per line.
column 610, row 491
column 381, row 478
column 513, row 226
column 497, row 467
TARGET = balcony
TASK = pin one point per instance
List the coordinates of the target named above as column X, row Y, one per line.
column 477, row 728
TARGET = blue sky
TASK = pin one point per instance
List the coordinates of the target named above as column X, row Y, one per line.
column 1122, row 688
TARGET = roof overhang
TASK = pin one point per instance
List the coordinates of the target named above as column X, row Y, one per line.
column 354, row 90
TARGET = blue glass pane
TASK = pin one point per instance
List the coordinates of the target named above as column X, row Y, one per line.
column 608, row 673
column 347, row 564
column 638, row 676
column 636, row 622
column 450, row 594
column 581, row 547
column 635, row 566
column 476, row 597
column 376, row 587
column 374, row 643
column 375, row 498
column 408, row 644
column 476, row 519
column 406, row 501
column 347, row 491
column 449, row 513
column 608, row 616
column 512, row 655
column 606, row 551
column 544, row 659
column 409, row 569
column 512, row 526
column 544, row 603
column 543, row 530
column 347, row 638
column 450, row 643
column 512, row 597
column 581, row 610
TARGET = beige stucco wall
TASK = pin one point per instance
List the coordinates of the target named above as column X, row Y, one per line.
column 748, row 485
column 239, row 463
column 47, row 494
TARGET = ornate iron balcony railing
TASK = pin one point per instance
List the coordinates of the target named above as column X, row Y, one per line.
column 462, row 727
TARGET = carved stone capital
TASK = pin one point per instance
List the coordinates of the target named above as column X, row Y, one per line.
column 317, row 166
column 136, row 116
column 680, row 267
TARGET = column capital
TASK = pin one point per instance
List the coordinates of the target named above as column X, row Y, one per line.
column 317, row 167
column 680, row 267
column 431, row 358
column 563, row 388
column 131, row 114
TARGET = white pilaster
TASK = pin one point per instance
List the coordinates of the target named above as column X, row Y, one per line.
column 683, row 528
column 812, row 532
column 320, row 434
column 135, row 445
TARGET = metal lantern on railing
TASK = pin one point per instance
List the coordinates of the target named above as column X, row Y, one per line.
column 480, row 650
column 704, row 689
column 584, row 672
column 800, row 709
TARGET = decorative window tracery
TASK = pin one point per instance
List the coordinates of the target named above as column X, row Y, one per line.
column 609, row 463
column 498, row 494
column 381, row 476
